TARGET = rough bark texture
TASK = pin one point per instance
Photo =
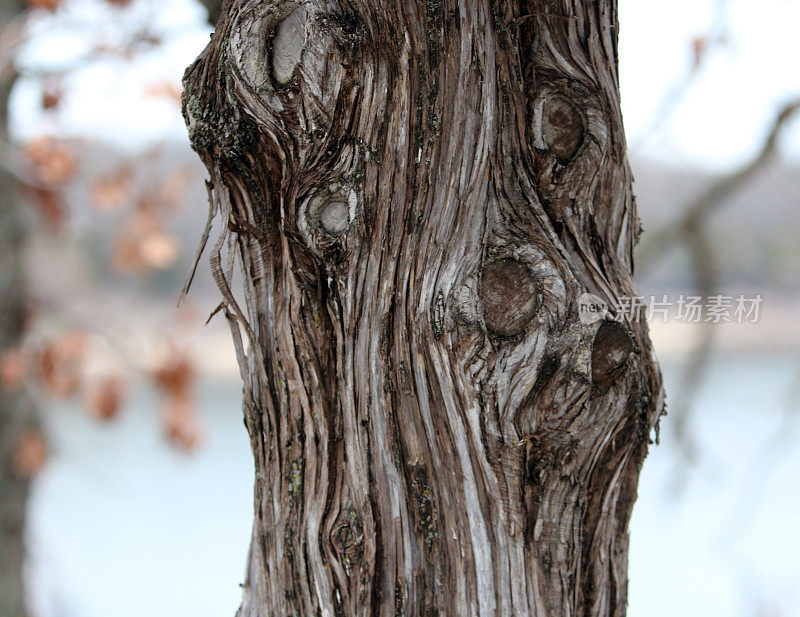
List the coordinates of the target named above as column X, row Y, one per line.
column 417, row 193
column 16, row 410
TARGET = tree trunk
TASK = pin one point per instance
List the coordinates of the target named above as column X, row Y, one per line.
column 16, row 410
column 417, row 194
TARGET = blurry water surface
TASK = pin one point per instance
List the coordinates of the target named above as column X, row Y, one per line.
column 123, row 526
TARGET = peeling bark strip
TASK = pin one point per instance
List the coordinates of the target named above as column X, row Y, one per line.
column 417, row 193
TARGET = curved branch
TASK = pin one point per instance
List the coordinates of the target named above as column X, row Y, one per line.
column 708, row 202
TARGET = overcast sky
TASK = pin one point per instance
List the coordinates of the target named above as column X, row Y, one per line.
column 718, row 121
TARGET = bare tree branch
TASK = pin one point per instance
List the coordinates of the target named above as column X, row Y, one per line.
column 708, row 202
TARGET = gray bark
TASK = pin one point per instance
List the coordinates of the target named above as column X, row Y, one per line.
column 16, row 410
column 416, row 212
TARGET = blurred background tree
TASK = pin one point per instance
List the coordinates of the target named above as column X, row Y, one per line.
column 55, row 364
column 22, row 448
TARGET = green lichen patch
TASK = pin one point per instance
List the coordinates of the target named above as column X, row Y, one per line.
column 426, row 511
column 296, row 479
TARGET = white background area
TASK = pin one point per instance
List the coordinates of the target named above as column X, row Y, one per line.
column 719, row 122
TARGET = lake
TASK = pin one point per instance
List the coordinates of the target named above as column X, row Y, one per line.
column 121, row 525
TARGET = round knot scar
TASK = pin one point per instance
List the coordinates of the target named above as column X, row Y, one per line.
column 288, row 44
column 334, row 217
column 332, row 210
column 562, row 128
column 509, row 296
column 610, row 350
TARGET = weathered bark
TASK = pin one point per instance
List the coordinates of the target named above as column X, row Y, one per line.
column 418, row 193
column 16, row 410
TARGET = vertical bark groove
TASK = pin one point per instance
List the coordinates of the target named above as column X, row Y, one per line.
column 416, row 201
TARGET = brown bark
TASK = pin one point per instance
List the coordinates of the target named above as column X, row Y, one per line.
column 16, row 410
column 416, row 194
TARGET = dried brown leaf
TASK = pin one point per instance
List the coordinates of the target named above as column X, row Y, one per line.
column 113, row 191
column 180, row 424
column 699, row 46
column 159, row 250
column 172, row 189
column 50, row 204
column 175, row 375
column 143, row 245
column 54, row 160
column 30, row 454
column 126, row 255
column 50, row 5
column 52, row 93
column 61, row 364
column 104, row 398
column 12, row 369
column 164, row 89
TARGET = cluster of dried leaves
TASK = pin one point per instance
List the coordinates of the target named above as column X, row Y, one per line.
column 143, row 242
column 52, row 5
column 30, row 453
column 60, row 368
column 175, row 378
column 53, row 164
column 64, row 365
